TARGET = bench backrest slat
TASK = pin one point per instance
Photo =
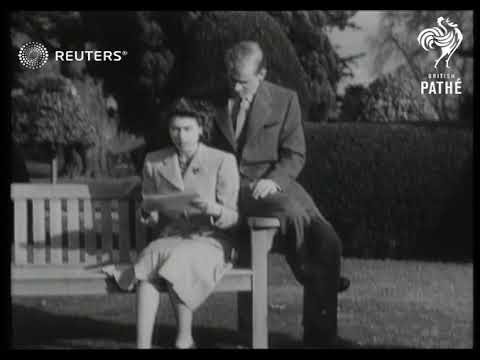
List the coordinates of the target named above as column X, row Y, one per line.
column 39, row 232
column 19, row 255
column 107, row 231
column 90, row 233
column 73, row 231
column 56, row 246
column 115, row 216
column 76, row 224
column 124, row 230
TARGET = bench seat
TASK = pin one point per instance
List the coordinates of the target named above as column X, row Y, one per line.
column 68, row 280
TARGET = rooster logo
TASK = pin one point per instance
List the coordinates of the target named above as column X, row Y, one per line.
column 447, row 40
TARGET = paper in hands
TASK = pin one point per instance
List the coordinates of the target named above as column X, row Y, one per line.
column 171, row 205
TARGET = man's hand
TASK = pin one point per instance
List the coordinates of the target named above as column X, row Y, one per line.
column 207, row 207
column 264, row 187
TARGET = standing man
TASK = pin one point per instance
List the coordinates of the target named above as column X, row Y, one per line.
column 261, row 124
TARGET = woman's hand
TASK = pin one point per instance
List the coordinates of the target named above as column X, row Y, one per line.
column 207, row 207
column 149, row 218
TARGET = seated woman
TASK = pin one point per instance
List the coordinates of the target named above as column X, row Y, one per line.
column 193, row 250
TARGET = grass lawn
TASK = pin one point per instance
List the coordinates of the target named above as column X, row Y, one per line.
column 390, row 304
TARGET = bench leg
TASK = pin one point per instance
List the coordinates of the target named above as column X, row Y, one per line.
column 261, row 244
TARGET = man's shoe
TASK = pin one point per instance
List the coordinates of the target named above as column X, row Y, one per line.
column 343, row 284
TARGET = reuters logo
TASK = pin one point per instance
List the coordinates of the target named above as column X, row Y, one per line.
column 33, row 55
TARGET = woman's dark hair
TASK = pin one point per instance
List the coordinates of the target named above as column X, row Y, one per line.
column 200, row 110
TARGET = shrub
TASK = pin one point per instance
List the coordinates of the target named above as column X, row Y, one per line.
column 320, row 61
column 69, row 119
column 112, row 145
column 353, row 103
column 392, row 97
column 49, row 111
column 401, row 191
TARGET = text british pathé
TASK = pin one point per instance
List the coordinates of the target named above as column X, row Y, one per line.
column 441, row 84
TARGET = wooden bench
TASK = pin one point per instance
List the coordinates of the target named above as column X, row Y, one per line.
column 65, row 233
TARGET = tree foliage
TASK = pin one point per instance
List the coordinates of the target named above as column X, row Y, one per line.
column 176, row 53
column 353, row 103
column 323, row 66
column 110, row 141
column 138, row 80
column 201, row 70
column 392, row 97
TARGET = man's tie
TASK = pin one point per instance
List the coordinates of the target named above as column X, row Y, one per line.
column 239, row 115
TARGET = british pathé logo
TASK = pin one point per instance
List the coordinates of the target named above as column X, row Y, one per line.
column 448, row 40
column 447, row 37
column 34, row 55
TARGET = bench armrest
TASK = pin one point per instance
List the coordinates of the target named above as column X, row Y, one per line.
column 262, row 232
column 255, row 222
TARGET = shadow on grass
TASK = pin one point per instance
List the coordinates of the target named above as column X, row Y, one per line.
column 34, row 328
column 341, row 344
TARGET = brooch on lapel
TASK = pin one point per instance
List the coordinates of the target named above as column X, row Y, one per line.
column 195, row 170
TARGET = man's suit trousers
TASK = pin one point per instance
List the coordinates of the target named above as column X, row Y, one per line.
column 312, row 249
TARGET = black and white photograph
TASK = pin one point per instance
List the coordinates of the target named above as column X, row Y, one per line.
column 241, row 179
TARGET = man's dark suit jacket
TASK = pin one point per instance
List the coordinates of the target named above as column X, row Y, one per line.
column 272, row 143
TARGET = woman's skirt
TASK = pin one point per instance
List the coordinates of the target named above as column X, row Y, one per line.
column 193, row 265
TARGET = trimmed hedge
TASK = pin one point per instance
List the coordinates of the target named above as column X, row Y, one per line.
column 396, row 191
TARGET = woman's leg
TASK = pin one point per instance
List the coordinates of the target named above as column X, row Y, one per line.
column 184, row 317
column 148, row 298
